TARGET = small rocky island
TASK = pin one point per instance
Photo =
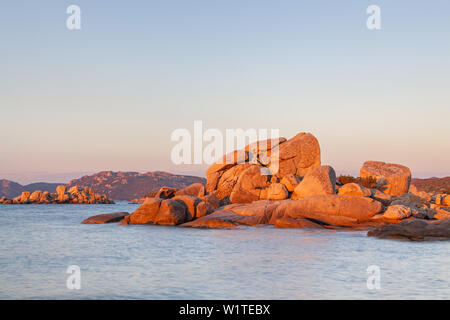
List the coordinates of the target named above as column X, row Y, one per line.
column 74, row 195
column 243, row 189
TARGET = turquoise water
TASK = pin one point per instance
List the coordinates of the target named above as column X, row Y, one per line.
column 39, row 242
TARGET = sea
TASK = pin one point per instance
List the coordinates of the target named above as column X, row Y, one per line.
column 46, row 253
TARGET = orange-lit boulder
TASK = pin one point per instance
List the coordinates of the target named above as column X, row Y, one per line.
column 354, row 189
column 330, row 209
column 394, row 178
column 195, row 190
column 318, row 181
column 287, row 222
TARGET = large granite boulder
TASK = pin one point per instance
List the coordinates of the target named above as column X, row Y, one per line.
column 394, row 178
column 234, row 215
column 160, row 211
column 318, row 181
column 166, row 193
column 275, row 159
column 328, row 210
column 335, row 210
column 287, row 222
column 275, row 191
column 191, row 204
column 249, row 185
column 354, row 189
column 297, row 155
column 195, row 190
column 36, row 196
column 290, row 181
column 414, row 230
column 397, row 212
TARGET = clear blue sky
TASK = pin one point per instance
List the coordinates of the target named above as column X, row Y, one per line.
column 108, row 96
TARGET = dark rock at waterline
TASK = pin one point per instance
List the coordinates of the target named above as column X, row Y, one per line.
column 414, row 230
column 106, row 218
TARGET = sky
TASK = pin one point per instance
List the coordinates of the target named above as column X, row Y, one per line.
column 109, row 96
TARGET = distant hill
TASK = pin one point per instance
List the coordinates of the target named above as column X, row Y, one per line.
column 432, row 184
column 43, row 186
column 132, row 185
column 10, row 189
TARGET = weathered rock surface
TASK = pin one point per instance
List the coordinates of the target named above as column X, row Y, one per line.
column 195, row 190
column 290, row 181
column 395, row 178
column 191, row 204
column 297, row 155
column 329, row 210
column 318, row 181
column 166, row 193
column 235, row 215
column 397, row 212
column 287, row 222
column 414, row 230
column 276, row 159
column 160, row 211
column 334, row 210
column 276, row 191
column 378, row 195
column 249, row 185
column 424, row 195
column 106, row 218
column 354, row 189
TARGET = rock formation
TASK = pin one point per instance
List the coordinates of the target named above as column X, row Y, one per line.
column 74, row 195
column 414, row 230
column 394, row 178
column 245, row 175
column 245, row 189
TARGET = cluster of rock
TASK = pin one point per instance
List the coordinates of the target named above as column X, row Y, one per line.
column 282, row 183
column 74, row 195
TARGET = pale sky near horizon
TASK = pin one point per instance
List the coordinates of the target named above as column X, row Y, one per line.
column 108, row 96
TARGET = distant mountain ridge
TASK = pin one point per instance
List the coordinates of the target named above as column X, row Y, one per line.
column 116, row 185
column 436, row 185
column 11, row 189
column 132, row 185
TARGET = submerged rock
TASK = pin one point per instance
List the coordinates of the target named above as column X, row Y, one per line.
column 106, row 218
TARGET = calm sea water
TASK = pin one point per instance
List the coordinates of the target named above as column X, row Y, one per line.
column 39, row 242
